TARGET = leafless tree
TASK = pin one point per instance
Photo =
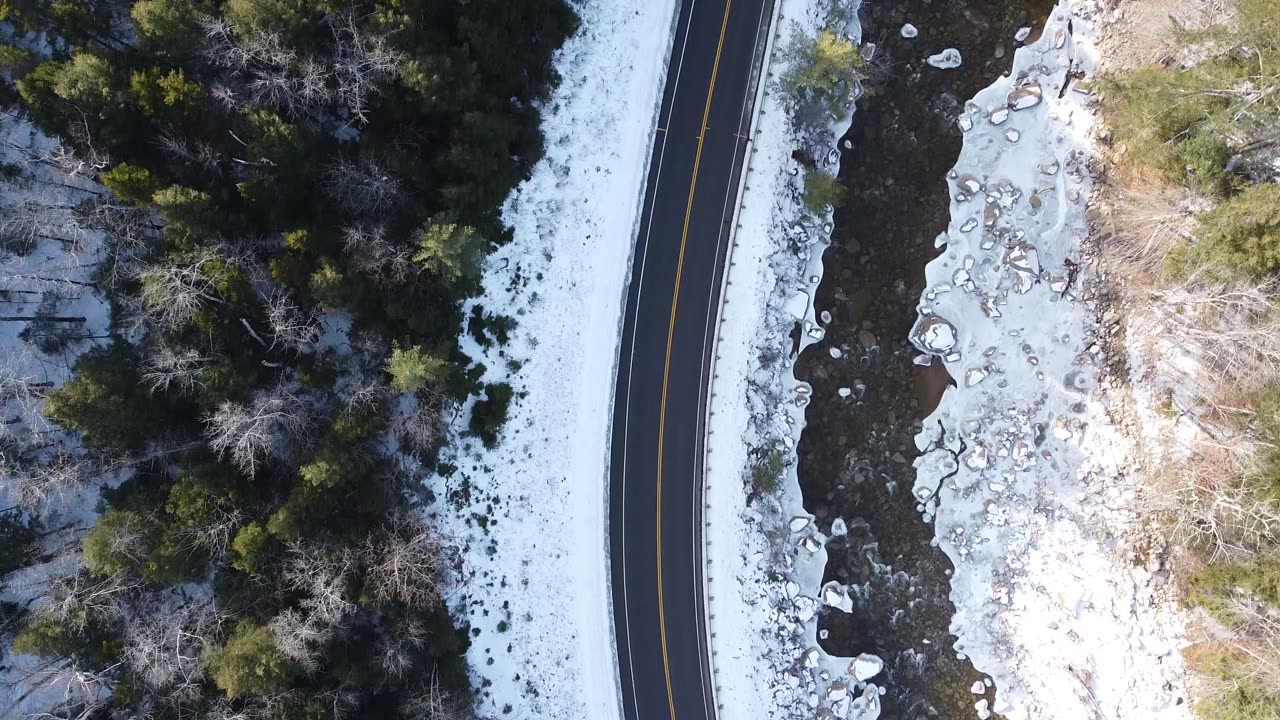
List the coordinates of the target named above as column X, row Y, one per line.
column 195, row 152
column 397, row 646
column 163, row 647
column 17, row 400
column 167, row 367
column 79, row 598
column 215, row 534
column 45, row 483
column 173, row 293
column 274, row 73
column 290, row 326
column 362, row 186
column 1230, row 330
column 21, row 227
column 362, row 62
column 421, row 421
column 323, row 576
column 301, row 637
column 431, row 702
column 1208, row 502
column 372, row 252
column 366, row 395
column 406, row 563
column 84, row 694
column 264, row 428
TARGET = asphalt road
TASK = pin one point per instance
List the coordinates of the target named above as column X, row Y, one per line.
column 660, row 400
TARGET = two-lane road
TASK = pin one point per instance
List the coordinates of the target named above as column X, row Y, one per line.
column 656, row 465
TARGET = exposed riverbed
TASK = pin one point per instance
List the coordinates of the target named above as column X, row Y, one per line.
column 858, row 467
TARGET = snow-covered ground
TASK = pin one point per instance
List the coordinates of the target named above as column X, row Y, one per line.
column 765, row 554
column 535, row 585
column 49, row 254
column 1023, row 474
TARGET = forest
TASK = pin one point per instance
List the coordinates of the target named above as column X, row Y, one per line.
column 295, row 199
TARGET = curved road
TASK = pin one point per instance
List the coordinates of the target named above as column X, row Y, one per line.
column 660, row 400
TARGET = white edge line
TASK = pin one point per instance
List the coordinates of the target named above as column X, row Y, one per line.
column 762, row 84
column 622, row 319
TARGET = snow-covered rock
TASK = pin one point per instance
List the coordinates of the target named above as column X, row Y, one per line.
column 948, row 59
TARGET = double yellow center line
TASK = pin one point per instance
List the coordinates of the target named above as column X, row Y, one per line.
column 671, row 331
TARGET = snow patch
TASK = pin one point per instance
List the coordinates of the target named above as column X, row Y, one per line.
column 534, row 583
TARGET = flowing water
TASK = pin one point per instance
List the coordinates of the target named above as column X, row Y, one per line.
column 855, row 458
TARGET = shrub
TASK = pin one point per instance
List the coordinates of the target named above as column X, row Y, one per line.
column 291, row 17
column 168, row 26
column 1241, row 236
column 16, row 60
column 1203, row 162
column 490, row 413
column 169, row 97
column 1216, row 585
column 414, row 369
column 252, row 548
column 89, row 82
column 250, row 663
column 1234, row 690
column 449, row 249
column 17, row 541
column 189, row 214
column 47, row 637
column 825, row 70
column 105, row 403
column 131, row 183
column 766, row 474
column 821, row 191
column 120, row 542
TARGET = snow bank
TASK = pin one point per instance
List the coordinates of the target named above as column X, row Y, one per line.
column 534, row 581
column 765, row 556
column 1021, row 471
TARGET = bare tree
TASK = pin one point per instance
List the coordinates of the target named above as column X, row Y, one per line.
column 17, row 400
column 42, row 484
column 397, row 646
column 179, row 369
column 406, row 563
column 84, row 694
column 173, row 293
column 362, row 62
column 372, row 252
column 1208, row 502
column 80, row 598
column 338, row 83
column 362, row 186
column 421, row 421
column 323, row 578
column 163, row 647
column 1229, row 330
column 431, row 702
column 290, row 326
column 195, row 152
column 264, row 428
column 301, row 637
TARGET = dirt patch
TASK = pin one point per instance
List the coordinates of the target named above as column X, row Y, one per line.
column 1138, row 31
column 855, row 458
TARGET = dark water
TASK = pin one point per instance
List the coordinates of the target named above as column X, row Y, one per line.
column 903, row 141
